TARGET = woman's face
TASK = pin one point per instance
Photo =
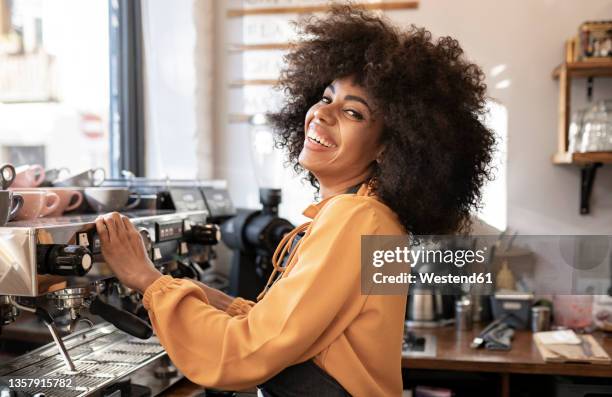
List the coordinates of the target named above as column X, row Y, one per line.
column 342, row 132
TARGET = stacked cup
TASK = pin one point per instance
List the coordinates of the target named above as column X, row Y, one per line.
column 42, row 202
column 36, row 202
column 10, row 203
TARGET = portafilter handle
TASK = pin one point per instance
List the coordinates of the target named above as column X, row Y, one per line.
column 121, row 319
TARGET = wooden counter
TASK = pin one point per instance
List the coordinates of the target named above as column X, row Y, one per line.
column 453, row 353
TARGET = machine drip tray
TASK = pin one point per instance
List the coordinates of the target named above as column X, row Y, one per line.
column 103, row 355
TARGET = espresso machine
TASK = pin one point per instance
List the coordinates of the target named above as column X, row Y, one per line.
column 52, row 275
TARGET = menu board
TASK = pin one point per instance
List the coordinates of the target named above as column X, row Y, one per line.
column 256, row 65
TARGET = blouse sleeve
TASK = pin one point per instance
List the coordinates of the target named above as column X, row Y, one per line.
column 239, row 306
column 214, row 349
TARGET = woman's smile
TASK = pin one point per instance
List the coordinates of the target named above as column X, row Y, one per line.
column 317, row 138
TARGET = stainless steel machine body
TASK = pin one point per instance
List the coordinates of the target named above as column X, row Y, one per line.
column 29, row 267
column 53, row 268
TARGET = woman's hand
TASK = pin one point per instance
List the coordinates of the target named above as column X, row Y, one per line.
column 124, row 251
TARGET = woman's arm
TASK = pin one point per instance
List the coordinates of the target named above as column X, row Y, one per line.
column 219, row 300
column 124, row 252
column 296, row 320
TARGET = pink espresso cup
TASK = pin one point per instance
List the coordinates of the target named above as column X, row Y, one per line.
column 36, row 203
column 28, row 176
column 69, row 199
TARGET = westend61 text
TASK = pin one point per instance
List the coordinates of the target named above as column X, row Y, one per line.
column 433, row 278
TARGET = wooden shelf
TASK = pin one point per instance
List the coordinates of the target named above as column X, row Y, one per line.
column 391, row 5
column 259, row 47
column 242, row 83
column 238, row 118
column 582, row 158
column 585, row 69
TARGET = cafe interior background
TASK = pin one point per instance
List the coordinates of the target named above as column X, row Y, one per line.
column 178, row 90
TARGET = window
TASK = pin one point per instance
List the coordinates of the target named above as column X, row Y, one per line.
column 54, row 83
column 495, row 202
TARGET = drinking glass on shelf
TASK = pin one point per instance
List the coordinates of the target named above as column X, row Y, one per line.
column 576, row 130
column 597, row 128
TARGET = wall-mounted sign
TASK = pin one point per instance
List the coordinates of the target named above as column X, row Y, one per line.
column 255, row 65
column 254, row 99
column 262, row 65
column 263, row 29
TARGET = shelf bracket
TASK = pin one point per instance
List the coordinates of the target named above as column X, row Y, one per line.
column 586, row 186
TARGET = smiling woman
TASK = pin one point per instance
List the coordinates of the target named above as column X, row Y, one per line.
column 405, row 110
column 386, row 125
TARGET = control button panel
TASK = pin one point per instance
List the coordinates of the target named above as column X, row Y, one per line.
column 169, row 230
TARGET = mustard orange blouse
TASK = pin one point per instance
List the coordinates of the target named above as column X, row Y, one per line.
column 315, row 310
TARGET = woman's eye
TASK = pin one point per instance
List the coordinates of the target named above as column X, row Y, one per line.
column 354, row 114
column 326, row 99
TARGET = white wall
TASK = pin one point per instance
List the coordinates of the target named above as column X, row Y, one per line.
column 527, row 37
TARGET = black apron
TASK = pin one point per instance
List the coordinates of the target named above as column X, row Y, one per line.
column 303, row 380
column 307, row 378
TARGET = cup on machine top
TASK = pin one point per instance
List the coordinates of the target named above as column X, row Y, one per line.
column 108, row 199
column 88, row 178
column 29, row 176
column 36, row 203
column 7, row 176
column 10, row 204
column 55, row 174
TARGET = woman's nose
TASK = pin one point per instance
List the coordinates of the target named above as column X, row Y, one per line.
column 325, row 114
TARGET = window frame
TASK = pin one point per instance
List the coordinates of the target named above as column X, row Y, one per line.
column 126, row 116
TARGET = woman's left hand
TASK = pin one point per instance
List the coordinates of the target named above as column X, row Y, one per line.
column 124, row 251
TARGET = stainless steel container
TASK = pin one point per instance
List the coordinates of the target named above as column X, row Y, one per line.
column 540, row 318
column 463, row 315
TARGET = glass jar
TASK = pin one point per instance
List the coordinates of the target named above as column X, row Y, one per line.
column 597, row 128
column 576, row 130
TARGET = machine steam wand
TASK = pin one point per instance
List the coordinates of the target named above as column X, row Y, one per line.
column 48, row 320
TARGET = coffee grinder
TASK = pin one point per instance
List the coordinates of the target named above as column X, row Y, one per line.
column 253, row 235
